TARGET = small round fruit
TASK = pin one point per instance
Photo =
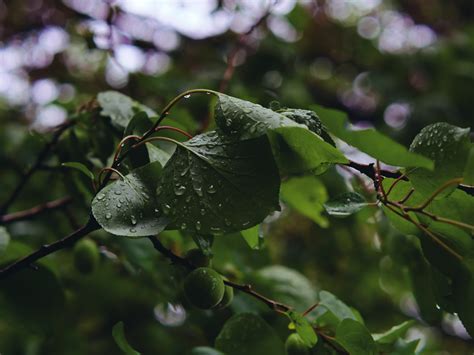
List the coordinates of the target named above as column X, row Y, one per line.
column 227, row 299
column 294, row 345
column 86, row 256
column 204, row 288
column 197, row 258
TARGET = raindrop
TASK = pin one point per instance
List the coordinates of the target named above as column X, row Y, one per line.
column 157, row 210
column 183, row 226
column 108, row 216
column 198, row 190
column 187, row 96
column 166, row 209
column 133, row 219
column 180, row 190
column 119, row 205
column 198, row 225
column 117, row 192
column 211, row 189
column 100, row 196
column 203, row 211
column 159, row 190
column 133, row 230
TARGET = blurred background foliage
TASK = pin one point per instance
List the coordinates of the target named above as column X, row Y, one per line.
column 394, row 65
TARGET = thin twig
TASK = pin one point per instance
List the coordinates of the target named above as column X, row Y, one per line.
column 41, row 156
column 35, row 211
column 433, row 195
column 175, row 259
column 47, row 249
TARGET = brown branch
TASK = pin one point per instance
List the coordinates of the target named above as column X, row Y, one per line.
column 368, row 170
column 47, row 249
column 35, row 211
column 41, row 156
column 246, row 288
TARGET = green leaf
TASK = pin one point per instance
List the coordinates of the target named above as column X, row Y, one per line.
column 448, row 146
column 355, row 338
column 253, row 237
column 469, row 170
column 117, row 106
column 81, row 167
column 306, row 195
column 298, row 150
column 370, row 141
column 215, row 185
column 4, row 239
column 346, row 204
column 285, row 285
column 244, row 119
column 303, row 328
column 118, row 333
column 129, row 207
column 335, row 306
column 247, row 333
column 392, row 335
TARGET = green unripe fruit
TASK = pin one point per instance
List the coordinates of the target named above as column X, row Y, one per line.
column 204, row 288
column 197, row 258
column 86, row 256
column 294, row 345
column 227, row 299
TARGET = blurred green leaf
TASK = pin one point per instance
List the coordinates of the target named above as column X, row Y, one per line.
column 81, row 167
column 4, row 239
column 117, row 106
column 394, row 333
column 355, row 338
column 306, row 195
column 370, row 141
column 303, row 328
column 247, row 333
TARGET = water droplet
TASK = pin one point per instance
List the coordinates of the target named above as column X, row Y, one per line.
column 133, row 220
column 211, row 189
column 157, row 210
column 188, row 198
column 166, row 209
column 183, row 226
column 159, row 190
column 180, row 190
column 203, row 211
column 108, row 216
column 198, row 225
column 119, row 205
column 100, row 196
column 132, row 230
column 227, row 222
column 198, row 190
column 117, row 192
column 187, row 96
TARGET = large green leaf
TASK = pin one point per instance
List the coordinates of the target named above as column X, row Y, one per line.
column 129, row 207
column 306, row 195
column 299, row 150
column 448, row 146
column 370, row 141
column 214, row 184
column 355, row 338
column 247, row 333
column 245, row 119
column 285, row 285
